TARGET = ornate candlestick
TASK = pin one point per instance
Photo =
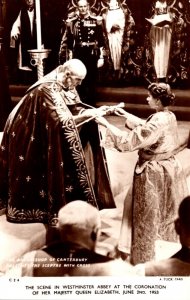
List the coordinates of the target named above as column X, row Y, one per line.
column 37, row 59
column 38, row 55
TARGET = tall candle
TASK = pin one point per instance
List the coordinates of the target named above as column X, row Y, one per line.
column 38, row 25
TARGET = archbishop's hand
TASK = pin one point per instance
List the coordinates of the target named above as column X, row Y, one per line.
column 96, row 112
column 102, row 121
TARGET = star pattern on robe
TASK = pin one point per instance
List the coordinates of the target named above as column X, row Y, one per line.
column 42, row 193
column 69, row 188
column 21, row 158
column 28, row 178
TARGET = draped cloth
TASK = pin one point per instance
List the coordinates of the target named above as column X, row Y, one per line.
column 161, row 42
column 115, row 18
column 46, row 161
column 159, row 184
column 118, row 27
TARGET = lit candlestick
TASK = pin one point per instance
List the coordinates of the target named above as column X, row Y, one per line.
column 38, row 25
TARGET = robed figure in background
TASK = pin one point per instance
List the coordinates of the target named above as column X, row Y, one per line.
column 23, row 34
column 118, row 32
column 166, row 42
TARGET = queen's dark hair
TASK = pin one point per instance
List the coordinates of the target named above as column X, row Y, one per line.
column 162, row 91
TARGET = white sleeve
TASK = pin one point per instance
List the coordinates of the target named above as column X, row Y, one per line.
column 16, row 28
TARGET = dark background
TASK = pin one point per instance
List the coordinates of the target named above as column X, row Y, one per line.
column 53, row 12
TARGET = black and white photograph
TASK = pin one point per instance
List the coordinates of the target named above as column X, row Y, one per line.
column 94, row 149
